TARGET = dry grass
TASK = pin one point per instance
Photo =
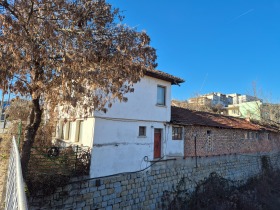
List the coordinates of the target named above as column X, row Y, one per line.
column 5, row 142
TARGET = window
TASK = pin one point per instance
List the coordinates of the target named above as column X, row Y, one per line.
column 235, row 111
column 177, row 133
column 142, row 131
column 161, row 95
column 251, row 135
column 246, row 135
column 72, row 131
column 268, row 136
column 64, row 130
column 256, row 135
column 81, row 130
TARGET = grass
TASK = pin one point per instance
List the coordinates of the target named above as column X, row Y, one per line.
column 5, row 141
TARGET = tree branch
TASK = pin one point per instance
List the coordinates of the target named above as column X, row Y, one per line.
column 31, row 12
column 6, row 5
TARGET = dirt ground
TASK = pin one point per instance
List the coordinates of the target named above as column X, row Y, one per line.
column 5, row 142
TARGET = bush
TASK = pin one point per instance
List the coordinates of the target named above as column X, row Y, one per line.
column 259, row 193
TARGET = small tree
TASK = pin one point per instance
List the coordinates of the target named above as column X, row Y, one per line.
column 68, row 52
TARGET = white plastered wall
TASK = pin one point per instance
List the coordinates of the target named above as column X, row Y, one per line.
column 72, row 132
column 174, row 148
column 117, row 148
column 142, row 103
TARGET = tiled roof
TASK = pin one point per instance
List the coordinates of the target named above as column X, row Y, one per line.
column 164, row 76
column 182, row 116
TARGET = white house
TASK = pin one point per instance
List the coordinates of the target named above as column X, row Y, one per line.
column 131, row 135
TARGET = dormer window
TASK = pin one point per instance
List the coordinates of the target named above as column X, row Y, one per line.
column 161, row 92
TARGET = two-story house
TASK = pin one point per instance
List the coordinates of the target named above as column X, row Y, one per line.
column 129, row 136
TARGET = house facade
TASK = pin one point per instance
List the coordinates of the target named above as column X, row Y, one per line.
column 131, row 135
column 212, row 99
column 224, row 100
column 256, row 110
column 251, row 109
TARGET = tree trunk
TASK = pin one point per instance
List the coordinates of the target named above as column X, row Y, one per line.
column 34, row 121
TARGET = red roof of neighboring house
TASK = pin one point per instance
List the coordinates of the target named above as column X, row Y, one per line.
column 182, row 116
column 164, row 76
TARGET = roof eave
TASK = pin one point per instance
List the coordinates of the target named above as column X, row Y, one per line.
column 169, row 78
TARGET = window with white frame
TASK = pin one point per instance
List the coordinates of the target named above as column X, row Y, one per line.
column 72, row 131
column 177, row 133
column 161, row 95
column 142, row 131
column 63, row 132
column 81, row 130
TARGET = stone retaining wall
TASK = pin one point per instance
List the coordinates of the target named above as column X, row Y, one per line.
column 145, row 189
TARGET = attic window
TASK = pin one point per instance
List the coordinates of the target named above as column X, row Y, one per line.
column 208, row 132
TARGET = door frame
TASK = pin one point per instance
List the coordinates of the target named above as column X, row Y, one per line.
column 157, row 143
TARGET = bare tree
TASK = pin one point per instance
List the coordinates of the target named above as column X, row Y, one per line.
column 266, row 112
column 68, row 52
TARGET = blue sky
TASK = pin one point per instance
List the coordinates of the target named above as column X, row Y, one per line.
column 216, row 46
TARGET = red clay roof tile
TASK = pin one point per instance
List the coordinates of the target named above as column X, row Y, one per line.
column 182, row 116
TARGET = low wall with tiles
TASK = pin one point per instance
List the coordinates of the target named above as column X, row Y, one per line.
column 145, row 189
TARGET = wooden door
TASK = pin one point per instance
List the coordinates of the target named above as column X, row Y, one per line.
column 157, row 143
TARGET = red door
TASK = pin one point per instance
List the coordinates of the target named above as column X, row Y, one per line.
column 157, row 143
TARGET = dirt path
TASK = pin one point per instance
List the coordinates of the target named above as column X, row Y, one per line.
column 4, row 159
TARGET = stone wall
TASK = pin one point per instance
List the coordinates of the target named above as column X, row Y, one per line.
column 147, row 189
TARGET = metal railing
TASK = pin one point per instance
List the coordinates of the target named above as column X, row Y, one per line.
column 15, row 193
